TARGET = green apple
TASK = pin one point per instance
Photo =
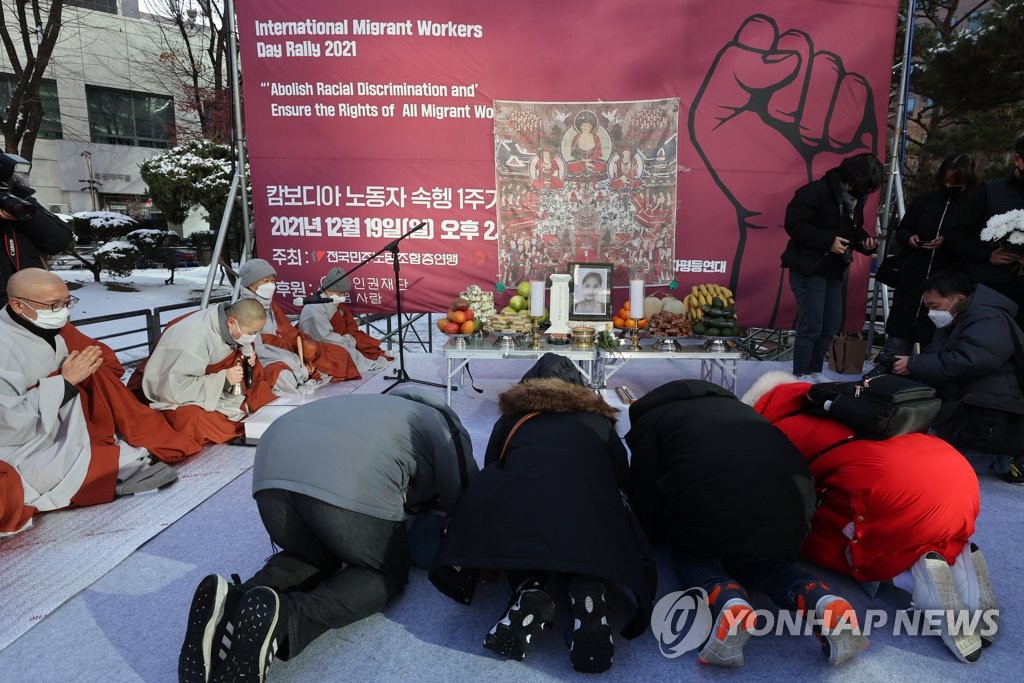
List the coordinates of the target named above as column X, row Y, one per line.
column 518, row 303
column 524, row 289
column 508, row 309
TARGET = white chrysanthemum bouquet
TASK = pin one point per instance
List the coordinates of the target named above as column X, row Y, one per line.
column 1007, row 230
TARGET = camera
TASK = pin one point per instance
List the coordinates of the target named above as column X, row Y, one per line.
column 17, row 207
column 883, row 364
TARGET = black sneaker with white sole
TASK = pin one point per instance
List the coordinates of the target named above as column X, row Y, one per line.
column 254, row 638
column 529, row 612
column 212, row 603
column 591, row 648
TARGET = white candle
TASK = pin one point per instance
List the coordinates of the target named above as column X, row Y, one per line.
column 636, row 299
column 537, row 298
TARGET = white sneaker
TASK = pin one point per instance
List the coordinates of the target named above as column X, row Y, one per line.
column 935, row 591
column 808, row 377
column 820, row 377
column 974, row 586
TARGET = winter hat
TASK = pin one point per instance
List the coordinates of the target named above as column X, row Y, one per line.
column 254, row 270
column 342, row 285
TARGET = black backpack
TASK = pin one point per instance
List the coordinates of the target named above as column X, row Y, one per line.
column 877, row 408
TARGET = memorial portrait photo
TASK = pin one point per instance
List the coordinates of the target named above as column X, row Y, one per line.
column 591, row 290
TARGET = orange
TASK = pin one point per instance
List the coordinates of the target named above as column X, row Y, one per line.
column 618, row 321
column 642, row 322
column 630, row 323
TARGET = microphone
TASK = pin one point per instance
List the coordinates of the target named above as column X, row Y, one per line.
column 247, row 353
column 315, row 299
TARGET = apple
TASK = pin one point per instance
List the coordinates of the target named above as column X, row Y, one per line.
column 508, row 309
column 523, row 289
column 468, row 327
column 457, row 317
column 470, row 314
column 442, row 323
column 525, row 311
column 460, row 304
column 517, row 303
column 451, row 328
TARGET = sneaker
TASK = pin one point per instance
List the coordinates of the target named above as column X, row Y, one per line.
column 213, row 600
column 935, row 589
column 729, row 634
column 820, row 377
column 837, row 629
column 806, row 377
column 529, row 612
column 1016, row 474
column 152, row 477
column 252, row 629
column 974, row 586
column 591, row 648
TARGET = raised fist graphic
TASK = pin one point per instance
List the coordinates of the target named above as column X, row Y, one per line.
column 771, row 103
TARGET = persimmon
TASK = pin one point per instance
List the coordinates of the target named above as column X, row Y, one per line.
column 630, row 323
column 617, row 321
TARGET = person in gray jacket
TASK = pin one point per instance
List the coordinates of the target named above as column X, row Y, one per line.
column 332, row 480
column 976, row 354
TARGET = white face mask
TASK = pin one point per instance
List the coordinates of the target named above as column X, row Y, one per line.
column 244, row 339
column 337, row 299
column 266, row 290
column 941, row 318
column 52, row 320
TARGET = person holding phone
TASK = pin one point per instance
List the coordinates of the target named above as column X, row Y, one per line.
column 922, row 232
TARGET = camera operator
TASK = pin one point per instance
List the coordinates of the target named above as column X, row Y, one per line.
column 29, row 231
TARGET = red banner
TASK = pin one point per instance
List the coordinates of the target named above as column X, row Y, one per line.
column 364, row 119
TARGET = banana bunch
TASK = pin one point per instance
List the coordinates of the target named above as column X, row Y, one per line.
column 704, row 295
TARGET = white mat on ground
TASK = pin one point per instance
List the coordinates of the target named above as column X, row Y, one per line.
column 67, row 550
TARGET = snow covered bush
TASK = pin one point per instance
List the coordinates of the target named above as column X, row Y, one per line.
column 117, row 257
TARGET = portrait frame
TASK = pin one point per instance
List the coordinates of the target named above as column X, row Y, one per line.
column 579, row 271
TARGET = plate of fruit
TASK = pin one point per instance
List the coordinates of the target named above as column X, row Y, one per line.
column 460, row 319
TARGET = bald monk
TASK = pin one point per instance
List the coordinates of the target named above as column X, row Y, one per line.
column 278, row 345
column 334, row 324
column 70, row 433
column 197, row 362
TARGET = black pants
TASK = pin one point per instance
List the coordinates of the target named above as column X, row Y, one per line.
column 335, row 566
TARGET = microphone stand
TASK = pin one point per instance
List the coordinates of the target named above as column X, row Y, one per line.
column 401, row 376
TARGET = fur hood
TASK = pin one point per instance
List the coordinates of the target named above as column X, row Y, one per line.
column 553, row 396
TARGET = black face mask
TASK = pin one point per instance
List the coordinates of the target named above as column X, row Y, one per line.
column 952, row 192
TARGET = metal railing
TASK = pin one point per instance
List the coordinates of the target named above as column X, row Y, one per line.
column 137, row 338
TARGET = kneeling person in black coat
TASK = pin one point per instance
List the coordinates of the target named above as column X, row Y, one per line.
column 549, row 501
column 734, row 499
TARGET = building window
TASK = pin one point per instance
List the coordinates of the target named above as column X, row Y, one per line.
column 119, row 117
column 50, row 128
column 911, row 104
column 109, row 6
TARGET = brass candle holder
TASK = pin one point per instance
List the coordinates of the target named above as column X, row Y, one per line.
column 634, row 334
column 535, row 331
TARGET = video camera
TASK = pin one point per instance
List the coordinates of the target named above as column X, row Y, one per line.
column 17, row 207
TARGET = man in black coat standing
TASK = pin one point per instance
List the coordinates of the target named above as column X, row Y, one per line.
column 825, row 222
column 734, row 499
column 29, row 231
